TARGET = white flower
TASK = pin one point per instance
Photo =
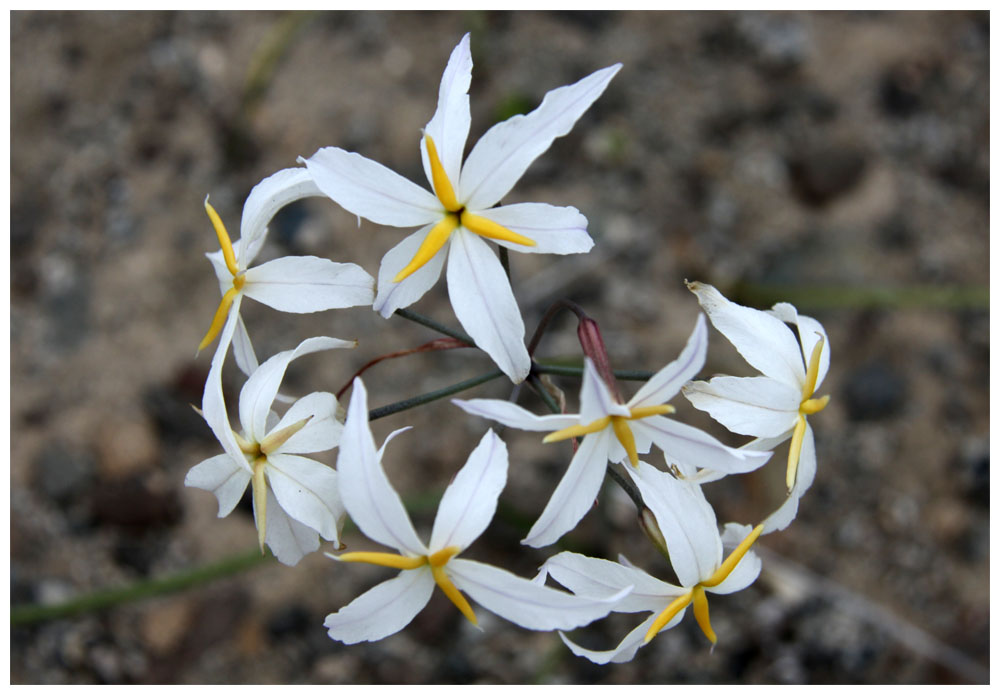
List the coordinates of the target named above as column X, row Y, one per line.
column 459, row 214
column 294, row 497
column 615, row 431
column 688, row 526
column 772, row 407
column 296, row 284
column 466, row 509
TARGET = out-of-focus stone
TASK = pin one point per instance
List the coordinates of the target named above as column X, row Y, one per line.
column 164, row 625
column 126, row 447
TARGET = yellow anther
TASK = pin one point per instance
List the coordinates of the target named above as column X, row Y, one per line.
column 675, row 607
column 701, row 613
column 452, row 592
column 219, row 320
column 727, row 567
column 223, row 235
column 795, row 450
column 814, row 405
column 399, row 562
column 432, row 243
column 276, row 439
column 625, row 437
column 260, row 500
column 491, row 230
column 812, row 374
column 650, row 410
column 577, row 430
column 442, row 185
column 441, row 557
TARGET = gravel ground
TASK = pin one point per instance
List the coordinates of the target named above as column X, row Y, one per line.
column 765, row 153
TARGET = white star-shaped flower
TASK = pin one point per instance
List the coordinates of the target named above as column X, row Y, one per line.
column 614, row 431
column 460, row 212
column 466, row 509
column 688, row 527
column 772, row 407
column 294, row 497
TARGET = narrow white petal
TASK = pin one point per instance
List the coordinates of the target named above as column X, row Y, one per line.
column 810, row 331
column 223, row 477
column 266, row 198
column 758, row 406
column 470, row 501
column 246, row 358
column 668, row 381
column 383, row 610
column 596, row 400
column 686, row 521
column 747, row 570
column 288, row 539
column 507, row 149
column 321, row 433
column 304, row 284
column 213, row 403
column 511, row 415
column 484, row 303
column 368, row 189
column 591, row 576
column 627, row 648
column 559, row 230
column 763, row 340
column 524, row 602
column 260, row 389
column 308, row 492
column 576, row 492
column 687, row 444
column 399, row 295
column 449, row 127
column 806, row 473
column 364, row 488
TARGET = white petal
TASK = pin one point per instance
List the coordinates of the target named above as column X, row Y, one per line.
column 627, row 648
column 576, row 492
column 382, row 610
column 223, row 477
column 804, row 476
column 213, row 403
column 687, row 444
column 810, row 331
column 369, row 497
column 668, row 381
column 368, row 189
column 591, row 576
column 511, row 415
column 484, row 303
column 686, row 521
column 758, row 406
column 399, row 295
column 308, row 492
column 266, row 198
column 507, row 149
column 304, row 284
column 246, row 358
column 288, row 539
column 747, row 570
column 763, row 340
column 559, row 230
column 449, row 127
column 262, row 386
column 470, row 501
column 596, row 400
column 523, row 602
column 321, row 432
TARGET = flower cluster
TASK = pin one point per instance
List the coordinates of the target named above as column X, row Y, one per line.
column 298, row 499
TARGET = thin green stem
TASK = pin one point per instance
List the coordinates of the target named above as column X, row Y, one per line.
column 399, row 406
column 952, row 297
column 567, row 370
column 539, row 388
column 434, row 325
column 108, row 598
column 505, row 260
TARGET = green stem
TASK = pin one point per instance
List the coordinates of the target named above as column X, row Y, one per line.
column 399, row 406
column 833, row 297
column 107, row 598
column 434, row 325
column 566, row 370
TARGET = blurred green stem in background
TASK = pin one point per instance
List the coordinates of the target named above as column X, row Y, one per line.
column 952, row 297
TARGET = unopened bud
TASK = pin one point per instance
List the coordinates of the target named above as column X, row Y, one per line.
column 592, row 343
column 652, row 530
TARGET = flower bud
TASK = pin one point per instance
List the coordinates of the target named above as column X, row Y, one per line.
column 593, row 347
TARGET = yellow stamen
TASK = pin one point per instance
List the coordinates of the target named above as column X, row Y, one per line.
column 248, row 448
column 794, row 450
column 650, row 410
column 491, row 230
column 276, row 439
column 223, row 235
column 452, row 592
column 814, row 405
column 675, row 607
column 812, row 374
column 442, row 186
column 432, row 243
column 260, row 500
column 441, row 557
column 701, row 613
column 577, row 430
column 727, row 567
column 393, row 560
column 219, row 320
column 625, row 437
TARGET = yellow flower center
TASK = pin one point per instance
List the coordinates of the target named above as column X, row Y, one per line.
column 456, row 216
column 219, row 320
column 437, row 562
column 808, row 406
column 619, row 423
column 696, row 594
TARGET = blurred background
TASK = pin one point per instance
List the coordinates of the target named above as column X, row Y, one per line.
column 839, row 161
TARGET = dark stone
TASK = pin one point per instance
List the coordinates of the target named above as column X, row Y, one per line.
column 974, row 465
column 902, row 89
column 64, row 473
column 591, row 20
column 874, row 391
column 170, row 405
column 291, row 621
column 823, row 174
column 131, row 504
